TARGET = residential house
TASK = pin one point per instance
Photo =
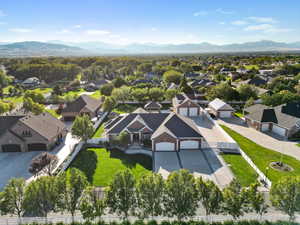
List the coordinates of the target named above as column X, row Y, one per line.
column 153, row 106
column 82, row 105
column 283, row 120
column 165, row 131
column 220, row 108
column 22, row 133
column 256, row 81
column 184, row 105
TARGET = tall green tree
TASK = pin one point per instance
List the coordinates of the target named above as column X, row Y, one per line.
column 285, row 195
column 108, row 104
column 72, row 184
column 91, row 206
column 235, row 200
column 12, row 199
column 150, row 190
column 210, row 196
column 256, row 200
column 172, row 76
column 30, row 106
column 156, row 94
column 42, row 196
column 120, row 196
column 82, row 128
column 180, row 197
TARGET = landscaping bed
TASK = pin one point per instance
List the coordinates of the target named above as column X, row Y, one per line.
column 100, row 165
column 262, row 157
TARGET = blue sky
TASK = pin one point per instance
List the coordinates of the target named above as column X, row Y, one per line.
column 156, row 21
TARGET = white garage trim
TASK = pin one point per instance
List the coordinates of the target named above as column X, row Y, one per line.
column 278, row 130
column 165, row 146
column 265, row 126
column 183, row 111
column 225, row 114
column 189, row 144
column 194, row 111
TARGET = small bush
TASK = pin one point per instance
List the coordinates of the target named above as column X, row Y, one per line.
column 152, row 222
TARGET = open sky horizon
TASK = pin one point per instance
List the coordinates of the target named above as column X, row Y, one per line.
column 150, row 21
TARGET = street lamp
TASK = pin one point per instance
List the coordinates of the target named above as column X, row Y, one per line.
column 266, row 175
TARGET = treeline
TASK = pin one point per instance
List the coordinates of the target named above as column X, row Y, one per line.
column 180, row 196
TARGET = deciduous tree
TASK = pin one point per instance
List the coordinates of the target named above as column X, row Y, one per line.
column 82, row 127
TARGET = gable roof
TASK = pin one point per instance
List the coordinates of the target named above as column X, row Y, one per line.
column 44, row 124
column 82, row 102
column 218, row 104
column 140, row 110
column 7, row 122
column 284, row 115
column 152, row 105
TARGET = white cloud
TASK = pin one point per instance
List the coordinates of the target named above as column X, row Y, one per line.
column 222, row 11
column 267, row 28
column 154, row 29
column 114, row 36
column 200, row 13
column 77, row 26
column 97, row 32
column 2, row 13
column 239, row 22
column 222, row 23
column 20, row 30
column 262, row 19
column 64, row 31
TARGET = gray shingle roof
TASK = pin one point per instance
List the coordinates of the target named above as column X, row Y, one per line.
column 152, row 105
column 81, row 102
column 218, row 104
column 6, row 122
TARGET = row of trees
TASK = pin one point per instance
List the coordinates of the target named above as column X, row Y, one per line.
column 179, row 196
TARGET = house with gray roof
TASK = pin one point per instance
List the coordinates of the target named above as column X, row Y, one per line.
column 84, row 104
column 165, row 131
column 185, row 106
column 220, row 108
column 283, row 120
column 22, row 133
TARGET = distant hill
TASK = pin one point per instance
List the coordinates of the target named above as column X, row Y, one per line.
column 61, row 48
column 33, row 48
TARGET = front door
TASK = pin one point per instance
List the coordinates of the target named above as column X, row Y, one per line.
column 136, row 138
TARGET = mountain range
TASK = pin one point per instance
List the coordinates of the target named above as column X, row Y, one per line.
column 61, row 48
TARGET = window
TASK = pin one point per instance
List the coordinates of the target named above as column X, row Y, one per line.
column 26, row 133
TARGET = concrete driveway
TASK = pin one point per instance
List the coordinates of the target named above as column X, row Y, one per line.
column 209, row 131
column 264, row 139
column 165, row 163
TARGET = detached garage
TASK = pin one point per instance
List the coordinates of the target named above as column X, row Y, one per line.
column 165, row 146
column 189, row 144
column 220, row 109
column 11, row 148
column 183, row 111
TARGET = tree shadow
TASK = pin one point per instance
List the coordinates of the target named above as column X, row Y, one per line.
column 130, row 161
column 86, row 161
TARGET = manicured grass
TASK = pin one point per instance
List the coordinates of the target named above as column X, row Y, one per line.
column 53, row 113
column 98, row 133
column 298, row 144
column 239, row 114
column 249, row 67
column 243, row 172
column 262, row 156
column 100, row 165
column 72, row 93
column 96, row 94
column 124, row 108
column 43, row 90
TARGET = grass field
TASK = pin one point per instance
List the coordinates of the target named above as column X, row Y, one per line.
column 101, row 165
column 72, row 93
column 98, row 133
column 249, row 67
column 96, row 94
column 124, row 108
column 262, row 156
column 243, row 172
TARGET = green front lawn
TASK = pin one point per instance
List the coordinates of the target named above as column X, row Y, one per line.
column 100, row 165
column 96, row 94
column 125, row 108
column 262, row 156
column 72, row 94
column 239, row 114
column 243, row 172
column 98, row 133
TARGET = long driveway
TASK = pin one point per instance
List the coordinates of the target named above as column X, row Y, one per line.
column 266, row 140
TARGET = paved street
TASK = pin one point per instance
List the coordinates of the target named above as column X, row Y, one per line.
column 269, row 141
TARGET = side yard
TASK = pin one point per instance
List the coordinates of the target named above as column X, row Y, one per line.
column 100, row 165
column 263, row 157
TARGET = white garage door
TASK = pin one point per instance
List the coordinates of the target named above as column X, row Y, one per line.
column 225, row 114
column 193, row 111
column 278, row 130
column 183, row 111
column 189, row 145
column 265, row 127
column 165, row 146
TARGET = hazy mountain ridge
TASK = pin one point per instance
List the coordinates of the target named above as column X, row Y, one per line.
column 61, row 48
